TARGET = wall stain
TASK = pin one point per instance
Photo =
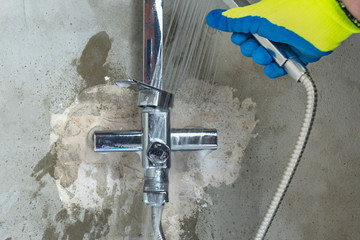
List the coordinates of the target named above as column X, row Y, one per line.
column 97, row 106
column 92, row 223
column 91, row 66
column 61, row 163
column 45, row 166
column 95, row 224
column 50, row 233
column 73, row 163
column 37, row 192
column 188, row 225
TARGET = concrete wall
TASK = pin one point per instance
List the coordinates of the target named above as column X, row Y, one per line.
column 56, row 58
column 321, row 201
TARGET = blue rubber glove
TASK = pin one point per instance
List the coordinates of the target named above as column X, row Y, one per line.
column 311, row 28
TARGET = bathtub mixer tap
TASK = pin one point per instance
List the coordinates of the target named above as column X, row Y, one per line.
column 156, row 140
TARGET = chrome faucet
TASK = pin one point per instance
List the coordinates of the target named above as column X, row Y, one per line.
column 156, row 140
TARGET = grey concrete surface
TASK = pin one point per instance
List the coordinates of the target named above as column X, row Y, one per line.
column 321, row 202
column 50, row 52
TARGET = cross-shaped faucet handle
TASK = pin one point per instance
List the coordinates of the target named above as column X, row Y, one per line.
column 156, row 140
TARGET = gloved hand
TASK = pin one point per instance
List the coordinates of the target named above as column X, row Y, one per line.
column 312, row 28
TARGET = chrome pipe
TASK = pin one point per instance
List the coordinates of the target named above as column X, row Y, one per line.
column 156, row 129
column 117, row 141
column 193, row 139
column 156, row 213
column 153, row 42
column 156, row 155
column 131, row 141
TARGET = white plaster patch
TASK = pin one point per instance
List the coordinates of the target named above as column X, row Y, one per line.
column 96, row 181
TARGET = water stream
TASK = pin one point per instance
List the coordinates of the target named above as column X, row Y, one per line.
column 190, row 47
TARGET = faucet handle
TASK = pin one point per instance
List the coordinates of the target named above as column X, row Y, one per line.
column 149, row 96
column 134, row 83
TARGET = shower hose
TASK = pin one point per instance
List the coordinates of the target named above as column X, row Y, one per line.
column 311, row 92
column 295, row 157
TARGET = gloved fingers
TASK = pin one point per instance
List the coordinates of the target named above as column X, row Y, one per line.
column 246, row 24
column 239, row 38
column 249, row 46
column 305, row 57
column 273, row 70
column 252, row 23
column 216, row 20
column 261, row 56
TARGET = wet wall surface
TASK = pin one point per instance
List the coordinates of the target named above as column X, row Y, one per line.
column 55, row 67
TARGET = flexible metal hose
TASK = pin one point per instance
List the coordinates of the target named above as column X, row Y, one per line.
column 156, row 213
column 295, row 157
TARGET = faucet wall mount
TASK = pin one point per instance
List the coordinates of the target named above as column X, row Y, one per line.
column 156, row 140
